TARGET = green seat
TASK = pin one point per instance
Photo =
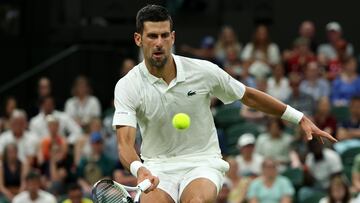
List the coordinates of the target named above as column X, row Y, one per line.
column 314, row 198
column 295, row 175
column 226, row 116
column 340, row 113
column 348, row 158
column 233, row 133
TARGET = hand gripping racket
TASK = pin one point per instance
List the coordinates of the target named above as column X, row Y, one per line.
column 109, row 191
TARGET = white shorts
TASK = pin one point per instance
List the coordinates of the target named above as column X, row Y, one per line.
column 176, row 173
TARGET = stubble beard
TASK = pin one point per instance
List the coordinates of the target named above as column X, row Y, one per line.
column 158, row 64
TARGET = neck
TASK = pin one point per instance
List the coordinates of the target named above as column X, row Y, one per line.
column 33, row 195
column 247, row 157
column 167, row 73
column 269, row 180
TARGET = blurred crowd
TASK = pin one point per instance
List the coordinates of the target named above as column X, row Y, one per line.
column 53, row 155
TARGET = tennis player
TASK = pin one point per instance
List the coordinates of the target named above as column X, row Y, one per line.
column 183, row 166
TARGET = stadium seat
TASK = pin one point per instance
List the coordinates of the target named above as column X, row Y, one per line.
column 340, row 113
column 347, row 159
column 314, row 198
column 295, row 175
column 227, row 116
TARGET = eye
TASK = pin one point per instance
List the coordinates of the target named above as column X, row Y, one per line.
column 152, row 36
column 165, row 35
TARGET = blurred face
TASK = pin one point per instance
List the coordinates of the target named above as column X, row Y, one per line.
column 333, row 36
column 269, row 169
column 261, row 34
column 75, row 196
column 274, row 129
column 97, row 147
column 337, row 191
column 156, row 42
column 48, row 106
column 312, row 71
column 53, row 128
column 95, row 125
column 33, row 185
column 247, row 150
column 355, row 108
column 307, row 29
column 44, row 87
column 351, row 65
column 278, row 71
column 10, row 106
column 128, row 64
column 324, row 106
column 82, row 88
column 18, row 125
column 228, row 35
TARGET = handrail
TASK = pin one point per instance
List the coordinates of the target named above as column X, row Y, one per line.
column 42, row 66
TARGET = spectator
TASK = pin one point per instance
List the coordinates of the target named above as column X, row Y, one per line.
column 67, row 125
column 249, row 163
column 298, row 99
column 275, row 144
column 12, row 173
column 334, row 34
column 75, row 195
column 356, row 175
column 278, row 85
column 260, row 54
column 338, row 191
column 323, row 118
column 270, row 187
column 321, row 164
column 43, row 90
column 96, row 166
column 346, row 85
column 82, row 106
column 300, row 56
column 9, row 107
column 307, row 30
column 238, row 184
column 334, row 67
column 126, row 66
column 33, row 193
column 123, row 176
column 26, row 142
column 227, row 40
column 349, row 130
column 313, row 85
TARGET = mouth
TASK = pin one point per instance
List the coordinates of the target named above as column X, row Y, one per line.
column 158, row 54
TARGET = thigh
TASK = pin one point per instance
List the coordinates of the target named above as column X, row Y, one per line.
column 199, row 190
column 157, row 195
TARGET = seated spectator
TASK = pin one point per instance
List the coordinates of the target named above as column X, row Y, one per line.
column 44, row 89
column 297, row 99
column 278, row 85
column 227, row 40
column 307, row 30
column 275, row 144
column 82, row 106
column 12, row 173
column 334, row 33
column 356, row 175
column 270, row 186
column 249, row 163
column 261, row 54
column 313, row 85
column 33, row 193
column 321, row 164
column 9, row 107
column 75, row 195
column 338, row 191
column 96, row 166
column 26, row 141
column 334, row 67
column 346, row 85
column 238, row 184
column 300, row 56
column 67, row 125
column 126, row 66
column 323, row 118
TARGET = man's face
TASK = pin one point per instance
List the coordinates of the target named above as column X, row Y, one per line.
column 48, row 106
column 33, row 185
column 156, row 42
column 75, row 196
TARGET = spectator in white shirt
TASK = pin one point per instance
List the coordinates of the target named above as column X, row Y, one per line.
column 67, row 125
column 278, row 85
column 25, row 141
column 33, row 193
column 82, row 106
column 249, row 162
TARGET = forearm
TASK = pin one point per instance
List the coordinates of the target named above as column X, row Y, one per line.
column 354, row 133
column 263, row 102
column 127, row 155
column 286, row 199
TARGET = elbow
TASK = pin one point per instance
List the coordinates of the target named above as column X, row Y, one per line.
column 248, row 98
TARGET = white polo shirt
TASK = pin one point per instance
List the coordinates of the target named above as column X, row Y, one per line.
column 147, row 100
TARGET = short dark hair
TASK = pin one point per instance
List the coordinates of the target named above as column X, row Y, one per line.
column 73, row 186
column 33, row 175
column 154, row 13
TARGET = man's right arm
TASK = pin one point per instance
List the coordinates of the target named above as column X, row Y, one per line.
column 128, row 157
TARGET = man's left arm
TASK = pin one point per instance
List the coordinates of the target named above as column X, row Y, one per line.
column 268, row 104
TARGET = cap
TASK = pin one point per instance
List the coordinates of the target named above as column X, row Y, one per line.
column 207, row 42
column 95, row 137
column 333, row 26
column 246, row 139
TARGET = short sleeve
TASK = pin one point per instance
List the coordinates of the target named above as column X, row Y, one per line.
column 125, row 105
column 225, row 87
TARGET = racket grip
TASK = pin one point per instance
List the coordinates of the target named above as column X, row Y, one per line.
column 144, row 185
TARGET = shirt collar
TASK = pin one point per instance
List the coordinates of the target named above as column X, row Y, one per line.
column 180, row 74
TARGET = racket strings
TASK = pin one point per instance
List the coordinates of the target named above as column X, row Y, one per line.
column 109, row 193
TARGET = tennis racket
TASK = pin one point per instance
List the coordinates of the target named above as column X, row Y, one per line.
column 109, row 191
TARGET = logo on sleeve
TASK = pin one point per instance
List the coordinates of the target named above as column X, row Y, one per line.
column 191, row 93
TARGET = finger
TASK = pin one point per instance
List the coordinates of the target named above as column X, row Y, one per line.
column 154, row 183
column 326, row 135
column 308, row 135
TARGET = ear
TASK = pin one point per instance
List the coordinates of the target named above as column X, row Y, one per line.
column 173, row 37
column 137, row 39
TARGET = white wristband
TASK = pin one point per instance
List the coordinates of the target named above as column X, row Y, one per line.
column 292, row 115
column 134, row 167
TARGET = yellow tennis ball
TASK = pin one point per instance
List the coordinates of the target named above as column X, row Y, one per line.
column 181, row 121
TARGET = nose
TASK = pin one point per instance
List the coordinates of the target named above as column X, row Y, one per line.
column 159, row 42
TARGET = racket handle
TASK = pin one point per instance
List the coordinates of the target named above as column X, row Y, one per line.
column 144, row 185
